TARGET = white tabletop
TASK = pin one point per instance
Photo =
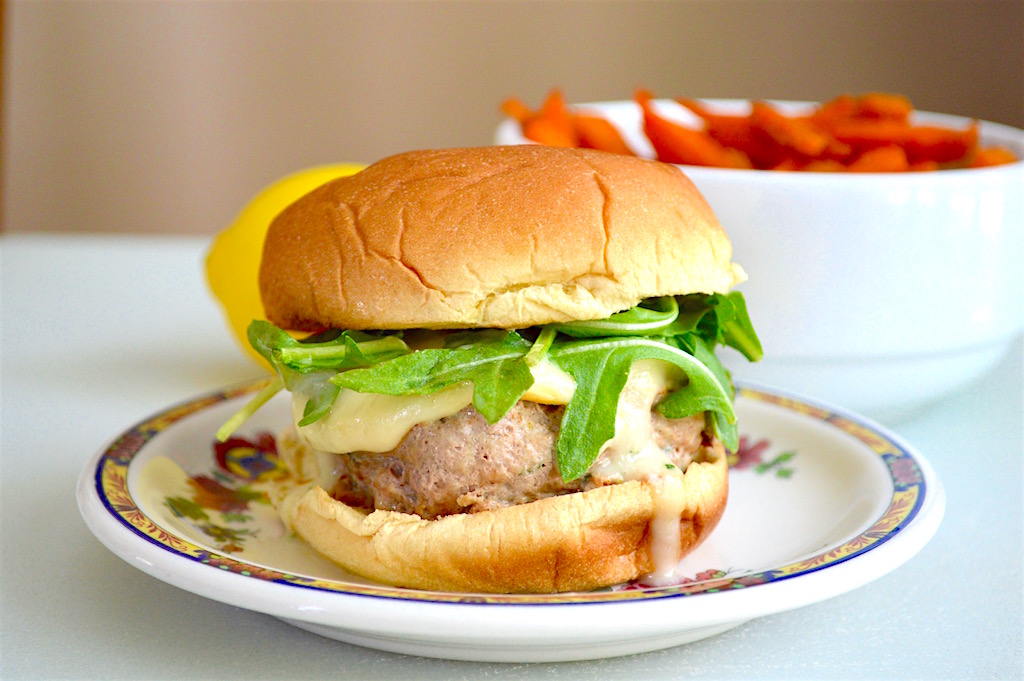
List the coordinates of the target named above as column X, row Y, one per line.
column 100, row 332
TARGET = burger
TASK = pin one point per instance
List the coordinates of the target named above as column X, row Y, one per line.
column 502, row 368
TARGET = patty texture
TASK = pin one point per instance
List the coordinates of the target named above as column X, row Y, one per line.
column 462, row 464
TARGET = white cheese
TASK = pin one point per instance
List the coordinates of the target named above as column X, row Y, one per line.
column 632, row 455
column 368, row 422
column 551, row 385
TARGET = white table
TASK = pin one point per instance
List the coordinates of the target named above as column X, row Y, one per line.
column 100, row 332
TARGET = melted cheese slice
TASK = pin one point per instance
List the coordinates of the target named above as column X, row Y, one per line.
column 367, row 422
column 633, row 455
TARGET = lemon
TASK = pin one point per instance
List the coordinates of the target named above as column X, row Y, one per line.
column 233, row 261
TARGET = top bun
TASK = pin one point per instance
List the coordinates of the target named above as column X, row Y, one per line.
column 504, row 237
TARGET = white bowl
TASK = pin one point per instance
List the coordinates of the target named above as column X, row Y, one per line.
column 882, row 292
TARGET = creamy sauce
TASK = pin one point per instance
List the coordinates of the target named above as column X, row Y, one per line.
column 367, row 422
column 632, row 455
column 551, row 385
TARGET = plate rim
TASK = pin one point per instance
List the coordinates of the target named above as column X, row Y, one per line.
column 319, row 605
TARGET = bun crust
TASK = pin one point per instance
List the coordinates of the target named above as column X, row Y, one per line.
column 491, row 237
column 573, row 542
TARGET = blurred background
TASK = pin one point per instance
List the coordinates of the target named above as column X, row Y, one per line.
column 161, row 117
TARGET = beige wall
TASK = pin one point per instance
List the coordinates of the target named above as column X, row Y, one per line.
column 169, row 116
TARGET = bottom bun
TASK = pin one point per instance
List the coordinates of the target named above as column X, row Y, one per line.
column 572, row 542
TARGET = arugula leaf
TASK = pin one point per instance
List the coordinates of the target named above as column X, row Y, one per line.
column 737, row 330
column 320, row 394
column 600, row 368
column 305, row 366
column 337, row 350
column 682, row 331
column 540, row 346
column 718, row 319
column 496, row 368
column 250, row 408
column 649, row 318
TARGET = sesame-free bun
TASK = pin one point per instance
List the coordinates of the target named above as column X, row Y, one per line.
column 573, row 542
column 491, row 237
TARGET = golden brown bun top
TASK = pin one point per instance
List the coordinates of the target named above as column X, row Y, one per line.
column 491, row 237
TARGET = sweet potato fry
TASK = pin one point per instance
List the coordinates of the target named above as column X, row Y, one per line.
column 554, row 111
column 840, row 108
column 824, row 166
column 888, row 159
column 549, row 132
column 595, row 132
column 797, row 134
column 514, row 107
column 884, row 105
column 676, row 143
column 728, row 130
column 862, row 135
column 991, row 156
column 871, row 132
column 943, row 145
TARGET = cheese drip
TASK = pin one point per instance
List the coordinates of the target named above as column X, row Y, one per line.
column 633, row 455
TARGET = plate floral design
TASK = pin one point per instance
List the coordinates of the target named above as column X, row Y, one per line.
column 226, row 489
column 812, row 490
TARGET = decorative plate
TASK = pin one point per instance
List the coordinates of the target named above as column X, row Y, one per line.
column 820, row 502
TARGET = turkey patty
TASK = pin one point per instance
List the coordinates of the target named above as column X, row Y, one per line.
column 462, row 464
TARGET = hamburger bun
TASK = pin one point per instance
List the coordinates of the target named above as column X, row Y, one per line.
column 505, row 237
column 573, row 542
column 511, row 238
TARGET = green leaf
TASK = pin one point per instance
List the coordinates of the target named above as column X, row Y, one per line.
column 600, row 368
column 650, row 318
column 336, row 350
column 497, row 369
column 724, row 430
column 737, row 330
column 540, row 347
column 320, row 394
column 250, row 408
column 717, row 319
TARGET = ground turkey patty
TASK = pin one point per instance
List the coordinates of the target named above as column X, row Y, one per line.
column 462, row 464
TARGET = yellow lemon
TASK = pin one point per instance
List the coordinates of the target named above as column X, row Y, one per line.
column 233, row 261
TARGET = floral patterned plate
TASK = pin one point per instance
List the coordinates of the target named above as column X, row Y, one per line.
column 821, row 501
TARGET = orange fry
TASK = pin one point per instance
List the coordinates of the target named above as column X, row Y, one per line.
column 729, row 131
column 675, row 143
column 889, row 159
column 870, row 132
column 595, row 132
column 992, row 156
column 798, row 134
column 943, row 145
column 884, row 105
column 546, row 131
column 825, row 166
column 840, row 108
column 555, row 112
column 515, row 108
column 862, row 135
